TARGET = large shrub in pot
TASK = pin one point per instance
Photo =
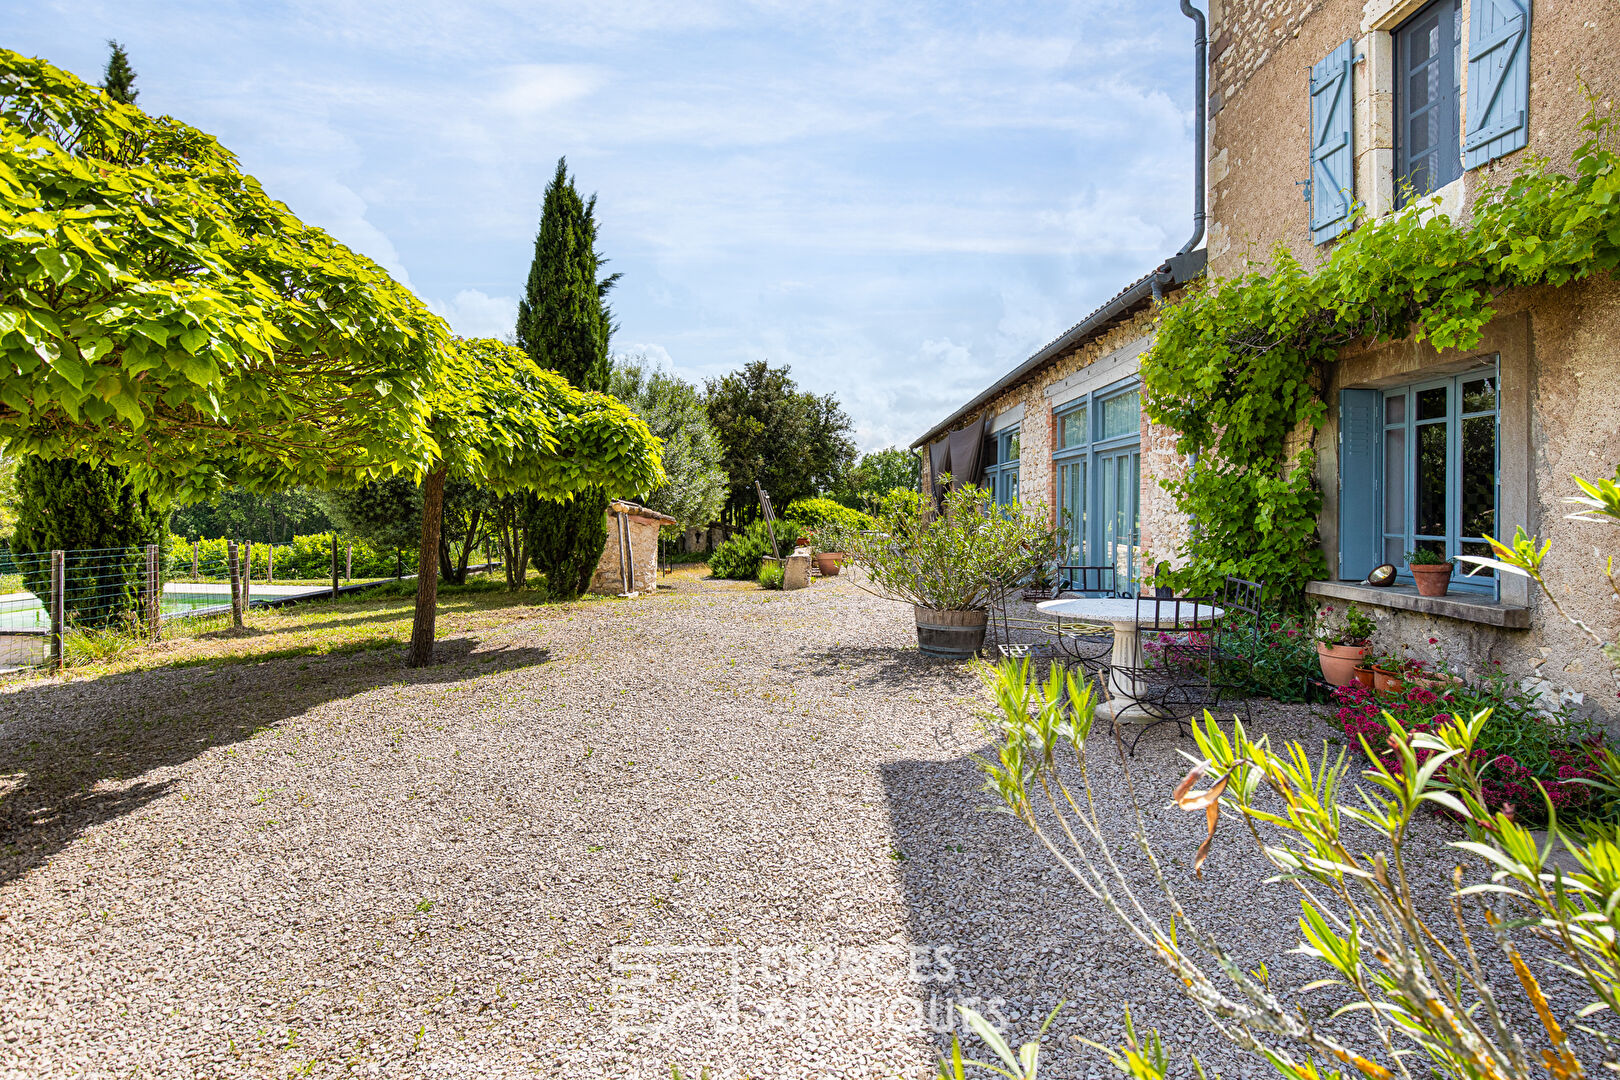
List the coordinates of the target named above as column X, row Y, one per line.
column 960, row 558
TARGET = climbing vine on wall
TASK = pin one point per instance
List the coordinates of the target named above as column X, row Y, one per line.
column 1237, row 368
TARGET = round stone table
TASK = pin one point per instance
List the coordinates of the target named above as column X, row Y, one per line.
column 1127, row 618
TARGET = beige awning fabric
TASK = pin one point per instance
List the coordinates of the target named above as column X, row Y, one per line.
column 967, row 451
column 939, row 459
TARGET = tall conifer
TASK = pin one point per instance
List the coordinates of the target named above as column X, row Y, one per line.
column 564, row 324
column 119, row 78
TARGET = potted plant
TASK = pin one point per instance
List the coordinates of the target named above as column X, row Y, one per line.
column 828, row 562
column 1340, row 646
column 950, row 565
column 1430, row 569
column 1388, row 673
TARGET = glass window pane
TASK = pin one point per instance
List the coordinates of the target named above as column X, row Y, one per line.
column 1122, row 415
column 1395, row 480
column 990, row 445
column 1479, row 476
column 1072, row 429
column 1011, row 452
column 1431, row 480
column 1395, row 550
column 1422, row 135
column 1479, row 573
column 1395, row 408
column 1479, row 395
column 1431, row 403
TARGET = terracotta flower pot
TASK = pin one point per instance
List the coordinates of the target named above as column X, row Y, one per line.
column 829, row 563
column 1339, row 662
column 1432, row 580
column 1387, row 682
column 1364, row 677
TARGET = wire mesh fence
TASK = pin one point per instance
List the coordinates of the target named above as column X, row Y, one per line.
column 62, row 608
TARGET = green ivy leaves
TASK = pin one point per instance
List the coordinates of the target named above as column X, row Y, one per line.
column 1237, row 366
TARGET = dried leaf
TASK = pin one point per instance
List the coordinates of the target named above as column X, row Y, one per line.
column 1212, row 812
column 1195, row 774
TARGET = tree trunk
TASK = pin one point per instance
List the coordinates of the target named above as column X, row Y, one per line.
column 427, row 570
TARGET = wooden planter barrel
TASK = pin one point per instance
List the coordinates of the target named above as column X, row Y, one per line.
column 958, row 635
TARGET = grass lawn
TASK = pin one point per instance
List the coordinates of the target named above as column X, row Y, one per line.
column 377, row 619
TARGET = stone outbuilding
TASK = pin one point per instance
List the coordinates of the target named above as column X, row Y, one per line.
column 631, row 554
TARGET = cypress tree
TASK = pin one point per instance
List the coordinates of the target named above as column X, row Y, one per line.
column 564, row 324
column 563, row 319
column 119, row 78
column 99, row 518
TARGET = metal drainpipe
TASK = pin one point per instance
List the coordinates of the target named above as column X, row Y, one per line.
column 1200, row 114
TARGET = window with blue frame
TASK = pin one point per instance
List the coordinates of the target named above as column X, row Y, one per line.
column 1418, row 468
column 1098, row 469
column 1001, row 466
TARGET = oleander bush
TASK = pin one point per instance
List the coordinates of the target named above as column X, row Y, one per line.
column 1432, row 987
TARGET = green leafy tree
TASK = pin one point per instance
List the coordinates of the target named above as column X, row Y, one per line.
column 510, row 427
column 695, row 491
column 119, row 78
column 878, row 472
column 159, row 312
column 99, row 518
column 793, row 442
column 388, row 515
column 119, row 83
column 244, row 514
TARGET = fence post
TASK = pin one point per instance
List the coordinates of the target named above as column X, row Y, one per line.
column 154, row 592
column 58, row 606
column 195, row 544
column 399, row 564
column 270, row 567
column 247, row 577
column 348, row 561
column 234, row 568
column 334, row 568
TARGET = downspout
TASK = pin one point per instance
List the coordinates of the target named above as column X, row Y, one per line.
column 1200, row 114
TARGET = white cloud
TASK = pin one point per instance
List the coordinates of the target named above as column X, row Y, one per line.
column 474, row 313
column 536, row 88
column 899, row 199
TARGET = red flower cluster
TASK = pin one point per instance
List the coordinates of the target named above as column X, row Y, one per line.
column 1505, row 782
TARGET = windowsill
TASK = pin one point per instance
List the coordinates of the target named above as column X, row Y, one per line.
column 1464, row 607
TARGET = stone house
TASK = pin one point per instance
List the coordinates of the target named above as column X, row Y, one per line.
column 1388, row 104
column 629, row 562
column 1062, row 434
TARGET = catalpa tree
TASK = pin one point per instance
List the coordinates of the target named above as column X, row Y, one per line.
column 506, row 424
column 158, row 311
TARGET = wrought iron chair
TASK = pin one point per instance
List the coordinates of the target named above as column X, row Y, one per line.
column 1085, row 644
column 1181, row 674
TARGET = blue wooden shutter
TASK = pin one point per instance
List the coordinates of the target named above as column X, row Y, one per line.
column 1333, row 180
column 1498, row 79
column 1361, row 432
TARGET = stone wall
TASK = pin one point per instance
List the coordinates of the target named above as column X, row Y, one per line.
column 643, row 528
column 1261, row 52
column 1119, row 350
column 1558, row 348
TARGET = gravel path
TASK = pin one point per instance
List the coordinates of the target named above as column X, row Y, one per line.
column 714, row 827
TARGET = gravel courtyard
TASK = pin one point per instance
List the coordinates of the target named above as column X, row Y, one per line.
column 716, row 827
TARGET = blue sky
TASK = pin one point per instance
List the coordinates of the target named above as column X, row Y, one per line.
column 900, row 200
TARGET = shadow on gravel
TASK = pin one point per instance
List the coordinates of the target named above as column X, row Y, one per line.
column 66, row 748
column 866, row 665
